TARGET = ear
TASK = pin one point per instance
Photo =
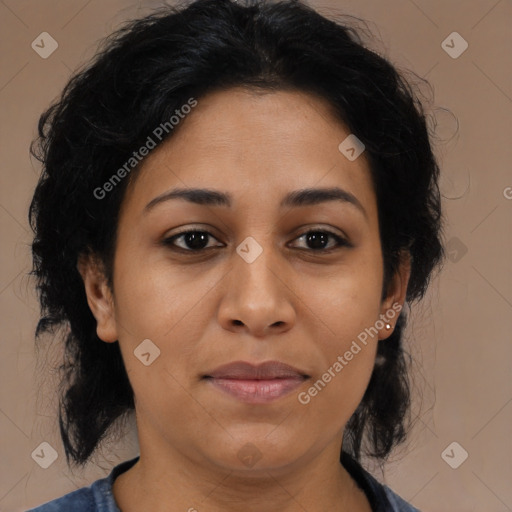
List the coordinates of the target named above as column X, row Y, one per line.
column 396, row 293
column 99, row 296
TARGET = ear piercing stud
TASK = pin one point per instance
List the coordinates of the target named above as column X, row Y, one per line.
column 388, row 326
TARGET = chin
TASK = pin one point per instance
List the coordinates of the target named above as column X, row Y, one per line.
column 256, row 453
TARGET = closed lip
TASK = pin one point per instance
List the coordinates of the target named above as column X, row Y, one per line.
column 243, row 370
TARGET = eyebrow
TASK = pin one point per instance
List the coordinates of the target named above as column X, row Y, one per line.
column 297, row 198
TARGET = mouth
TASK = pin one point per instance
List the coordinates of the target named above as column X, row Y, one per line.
column 256, row 384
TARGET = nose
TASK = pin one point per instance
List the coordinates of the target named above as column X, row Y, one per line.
column 258, row 297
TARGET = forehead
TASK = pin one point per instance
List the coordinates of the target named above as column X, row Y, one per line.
column 257, row 145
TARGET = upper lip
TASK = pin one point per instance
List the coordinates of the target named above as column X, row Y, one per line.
column 263, row 371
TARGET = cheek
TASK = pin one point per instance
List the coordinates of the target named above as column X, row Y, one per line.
column 348, row 361
column 345, row 304
column 155, row 300
column 158, row 314
column 347, row 310
column 155, row 340
column 334, row 396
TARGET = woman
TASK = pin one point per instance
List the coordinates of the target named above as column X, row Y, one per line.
column 237, row 202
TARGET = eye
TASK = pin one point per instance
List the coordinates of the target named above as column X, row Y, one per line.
column 198, row 240
column 318, row 240
column 191, row 241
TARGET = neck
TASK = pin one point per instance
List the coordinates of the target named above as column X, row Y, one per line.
column 175, row 483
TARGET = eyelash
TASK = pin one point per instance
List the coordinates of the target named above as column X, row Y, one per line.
column 340, row 242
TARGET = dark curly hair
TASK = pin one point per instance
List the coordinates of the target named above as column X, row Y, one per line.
column 139, row 77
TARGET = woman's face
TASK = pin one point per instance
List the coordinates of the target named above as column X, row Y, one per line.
column 255, row 288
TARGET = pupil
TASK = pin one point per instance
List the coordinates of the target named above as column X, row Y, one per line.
column 317, row 240
column 196, row 240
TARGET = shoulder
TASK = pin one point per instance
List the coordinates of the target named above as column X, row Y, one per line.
column 380, row 496
column 398, row 503
column 385, row 499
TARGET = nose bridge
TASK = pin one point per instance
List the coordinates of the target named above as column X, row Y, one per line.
column 256, row 297
column 255, row 264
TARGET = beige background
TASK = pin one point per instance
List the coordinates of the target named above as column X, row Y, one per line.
column 461, row 332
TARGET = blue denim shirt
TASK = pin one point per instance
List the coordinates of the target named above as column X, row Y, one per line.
column 98, row 496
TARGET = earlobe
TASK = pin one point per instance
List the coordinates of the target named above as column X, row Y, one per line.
column 395, row 300
column 99, row 296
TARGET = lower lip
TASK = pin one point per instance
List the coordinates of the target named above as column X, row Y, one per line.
column 257, row 391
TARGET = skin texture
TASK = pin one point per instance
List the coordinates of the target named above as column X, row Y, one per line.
column 292, row 304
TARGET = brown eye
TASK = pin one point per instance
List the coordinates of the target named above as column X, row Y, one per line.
column 200, row 240
column 192, row 241
column 318, row 240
